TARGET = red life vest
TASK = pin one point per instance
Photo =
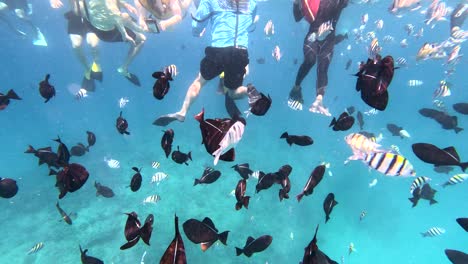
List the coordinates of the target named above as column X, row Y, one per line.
column 310, row 9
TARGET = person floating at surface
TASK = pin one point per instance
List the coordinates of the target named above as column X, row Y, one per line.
column 318, row 47
column 230, row 21
column 101, row 20
column 162, row 13
column 23, row 10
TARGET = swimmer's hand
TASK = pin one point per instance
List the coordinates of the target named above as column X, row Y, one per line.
column 56, row 4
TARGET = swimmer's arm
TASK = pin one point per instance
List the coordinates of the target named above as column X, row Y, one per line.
column 128, row 7
column 297, row 10
column 203, row 12
column 175, row 18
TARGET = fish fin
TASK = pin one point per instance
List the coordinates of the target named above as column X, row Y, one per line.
column 432, row 201
column 452, row 151
column 463, row 166
column 189, row 155
column 333, row 122
column 88, row 84
column 249, row 240
column 299, row 197
column 200, row 116
column 327, row 218
column 197, row 181
column 230, row 155
column 12, row 95
column 126, row 133
column 458, row 129
column 284, row 135
column 245, row 201
column 414, row 201
column 52, row 172
column 239, row 251
column 30, row 149
column 130, row 244
column 135, row 169
column 207, row 221
column 223, row 237
column 158, row 75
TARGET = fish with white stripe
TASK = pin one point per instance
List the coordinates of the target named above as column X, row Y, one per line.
column 456, row 179
column 158, row 177
column 389, row 163
column 112, row 163
column 433, row 232
column 155, row 198
column 418, row 182
column 36, row 248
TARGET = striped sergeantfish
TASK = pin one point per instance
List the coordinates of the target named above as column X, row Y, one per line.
column 419, row 181
column 433, row 232
column 359, row 142
column 458, row 178
column 36, row 248
column 390, row 164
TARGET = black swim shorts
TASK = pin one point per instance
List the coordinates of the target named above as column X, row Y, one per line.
column 230, row 60
column 77, row 25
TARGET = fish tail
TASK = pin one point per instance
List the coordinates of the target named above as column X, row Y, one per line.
column 327, row 218
column 52, row 172
column 245, row 201
column 458, row 129
column 189, row 155
column 423, row 234
column 126, row 133
column 284, row 135
column 197, row 181
column 12, row 95
column 299, row 197
column 239, row 251
column 414, row 201
column 223, row 237
column 333, row 122
column 200, row 116
column 432, row 202
column 30, row 149
column 463, row 166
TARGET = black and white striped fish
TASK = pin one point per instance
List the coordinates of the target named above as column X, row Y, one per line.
column 390, row 164
column 433, row 232
column 401, row 61
column 230, row 140
column 82, row 93
column 419, row 181
column 458, row 178
column 36, row 248
column 295, row 105
column 414, row 83
column 155, row 165
column 443, row 90
column 155, row 198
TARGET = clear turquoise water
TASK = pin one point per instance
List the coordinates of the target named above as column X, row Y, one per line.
column 388, row 234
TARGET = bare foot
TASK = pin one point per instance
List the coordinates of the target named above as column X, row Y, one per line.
column 317, row 107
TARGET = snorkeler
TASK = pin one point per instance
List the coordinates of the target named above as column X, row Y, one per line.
column 318, row 47
column 23, row 10
column 163, row 13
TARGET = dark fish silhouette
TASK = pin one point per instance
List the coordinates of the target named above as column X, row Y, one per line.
column 147, row 229
column 254, row 245
column 78, row 150
column 162, row 85
column 122, row 125
column 5, row 98
column 461, row 108
column 443, row 169
column 210, row 175
column 71, row 178
column 344, row 122
column 175, row 252
column 265, row 181
column 374, row 77
column 166, row 141
column 180, row 157
column 285, row 188
column 46, row 90
column 218, row 135
column 258, row 102
column 348, row 64
column 314, row 179
column 91, row 138
column 360, row 119
column 350, row 110
column 328, row 205
column 64, row 215
column 103, row 190
column 447, row 122
column 313, row 255
column 45, row 155
column 243, row 170
column 283, row 173
column 425, row 192
column 242, row 200
column 204, row 233
column 63, row 154
column 439, row 157
column 135, row 183
column 85, row 259
column 298, row 140
column 463, row 222
column 394, row 130
column 8, row 188
column 131, row 231
column 456, row 257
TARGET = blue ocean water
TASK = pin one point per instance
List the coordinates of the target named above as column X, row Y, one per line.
column 390, row 232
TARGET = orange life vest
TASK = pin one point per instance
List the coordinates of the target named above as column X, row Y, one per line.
column 310, row 9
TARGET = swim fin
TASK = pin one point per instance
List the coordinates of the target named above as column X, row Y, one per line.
column 133, row 79
column 40, row 40
column 96, row 72
column 88, row 84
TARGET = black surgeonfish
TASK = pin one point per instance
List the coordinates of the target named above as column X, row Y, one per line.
column 360, row 119
column 175, row 252
column 131, row 231
column 64, row 215
column 5, row 98
column 85, row 259
column 313, row 255
column 447, row 122
column 8, row 188
column 91, row 139
column 253, row 245
column 78, row 150
column 298, row 140
column 46, row 90
column 71, row 178
column 63, row 154
column 463, row 222
column 210, row 175
column 180, row 157
column 265, row 181
column 121, row 124
column 162, row 85
column 135, row 183
column 456, row 257
column 328, row 205
column 374, row 77
column 243, row 170
column 103, row 190
column 45, row 155
column 439, row 157
column 204, row 233
column 147, row 229
column 220, row 135
column 314, row 179
column 344, row 122
column 258, row 102
column 166, row 141
column 425, row 192
column 461, row 108
column 394, row 130
column 242, row 200
column 285, row 188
